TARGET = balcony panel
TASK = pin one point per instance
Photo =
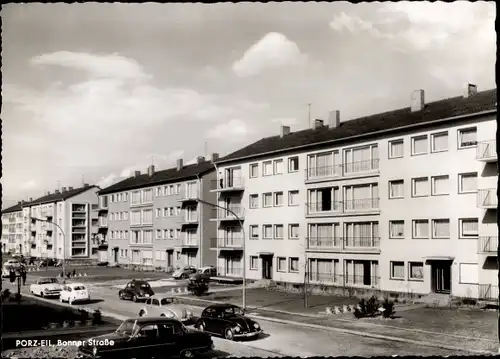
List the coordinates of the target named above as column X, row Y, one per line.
column 189, row 242
column 362, row 205
column 188, row 196
column 314, row 277
column 323, row 173
column 487, row 198
column 227, row 243
column 360, row 167
column 324, row 244
column 228, row 184
column 486, row 151
column 229, row 272
column 317, row 209
column 233, row 213
column 361, row 281
column 362, row 244
column 488, row 292
column 488, row 244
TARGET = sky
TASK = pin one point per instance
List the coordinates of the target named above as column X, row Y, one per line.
column 92, row 92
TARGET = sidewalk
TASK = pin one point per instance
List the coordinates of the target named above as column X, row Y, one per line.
column 462, row 329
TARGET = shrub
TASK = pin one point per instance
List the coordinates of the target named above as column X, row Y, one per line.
column 83, row 316
column 17, row 297
column 5, row 294
column 388, row 306
column 96, row 317
column 469, row 301
column 367, row 308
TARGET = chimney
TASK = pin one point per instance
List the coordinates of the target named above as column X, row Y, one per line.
column 180, row 164
column 137, row 173
column 48, row 193
column 20, row 202
column 57, row 191
column 334, row 119
column 70, row 188
column 151, row 170
column 318, row 123
column 470, row 90
column 63, row 189
column 284, row 130
column 31, row 199
column 85, row 185
column 417, row 100
column 200, row 159
column 215, row 157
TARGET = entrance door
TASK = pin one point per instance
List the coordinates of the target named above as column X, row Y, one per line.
column 116, row 255
column 441, row 277
column 267, row 267
column 170, row 258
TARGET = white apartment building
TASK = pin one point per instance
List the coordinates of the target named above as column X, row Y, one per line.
column 13, row 229
column 71, row 209
column 154, row 219
column 403, row 201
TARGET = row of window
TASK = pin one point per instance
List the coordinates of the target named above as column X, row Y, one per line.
column 274, row 231
column 118, row 197
column 274, row 167
column 275, row 199
column 146, row 257
column 439, row 142
column 439, row 185
column 160, row 234
column 169, row 190
column 168, row 212
column 283, row 264
column 415, row 271
column 439, row 228
column 145, row 196
column 118, row 216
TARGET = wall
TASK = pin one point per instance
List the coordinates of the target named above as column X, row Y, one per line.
column 208, row 228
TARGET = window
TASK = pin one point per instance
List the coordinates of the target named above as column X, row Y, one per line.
column 397, row 270
column 267, row 168
column 439, row 142
column 396, row 189
column 293, row 164
column 135, row 218
column 467, row 182
column 147, row 216
column 294, row 265
column 147, row 257
column 281, row 264
column 467, row 137
column 278, row 231
column 419, row 145
column 147, row 196
column 278, row 199
column 267, row 200
column 396, row 229
column 125, row 198
column 293, row 198
column 421, row 228
column 468, row 273
column 278, row 167
column 416, row 271
column 420, row 187
column 440, row 185
column 165, row 233
column 396, row 148
column 254, row 170
column 136, row 237
column 177, row 188
column 125, row 236
column 267, row 231
column 254, row 201
column 293, row 231
column 254, row 231
column 158, row 192
column 136, row 197
column 147, row 237
column 469, row 228
column 158, row 233
column 158, row 212
column 254, row 262
column 440, row 228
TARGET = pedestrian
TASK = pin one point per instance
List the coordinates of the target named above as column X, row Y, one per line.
column 12, row 275
column 23, row 275
column 74, row 273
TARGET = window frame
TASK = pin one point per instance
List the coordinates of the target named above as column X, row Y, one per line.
column 278, row 269
column 391, row 236
column 252, row 166
column 256, row 267
column 253, row 195
column 389, row 154
column 264, row 168
column 460, row 176
column 414, row 222
column 275, row 196
column 460, row 228
column 412, row 144
column 390, row 188
column 460, row 131
column 275, row 227
column 264, row 199
column 433, row 150
column 434, row 236
column 290, row 225
column 290, row 265
column 413, row 180
column 410, row 278
column 392, row 263
column 251, row 233
column 433, row 179
column 264, row 226
column 295, row 191
column 275, row 162
column 290, row 161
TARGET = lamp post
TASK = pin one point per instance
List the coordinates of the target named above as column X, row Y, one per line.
column 244, row 245
column 64, row 242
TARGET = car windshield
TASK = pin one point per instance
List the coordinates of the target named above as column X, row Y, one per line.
column 127, row 328
column 79, row 287
column 167, row 301
column 47, row 281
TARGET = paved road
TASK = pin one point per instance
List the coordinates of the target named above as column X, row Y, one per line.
column 284, row 339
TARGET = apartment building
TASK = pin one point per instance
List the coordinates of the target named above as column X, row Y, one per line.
column 154, row 219
column 67, row 228
column 13, row 229
column 401, row 201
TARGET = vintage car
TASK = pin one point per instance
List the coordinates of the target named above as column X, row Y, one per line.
column 184, row 273
column 136, row 290
column 11, row 263
column 74, row 292
column 165, row 306
column 228, row 321
column 206, row 272
column 198, row 284
column 46, row 287
column 148, row 337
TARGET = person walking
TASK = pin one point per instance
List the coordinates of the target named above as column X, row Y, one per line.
column 23, row 274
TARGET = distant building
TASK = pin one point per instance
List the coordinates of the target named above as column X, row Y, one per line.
column 13, row 229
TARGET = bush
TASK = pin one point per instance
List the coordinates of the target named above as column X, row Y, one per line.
column 388, row 306
column 5, row 294
column 83, row 316
column 367, row 308
column 96, row 317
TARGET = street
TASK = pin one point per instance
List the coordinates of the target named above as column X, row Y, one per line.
column 279, row 339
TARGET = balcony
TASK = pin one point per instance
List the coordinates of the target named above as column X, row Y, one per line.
column 365, row 205
column 362, row 281
column 190, row 217
column 79, row 224
column 348, row 244
column 229, row 272
column 314, row 277
column 220, row 214
column 47, row 213
column 103, row 222
column 189, row 242
column 487, row 198
column 336, row 208
column 188, row 196
column 228, row 184
column 79, row 215
column 488, row 244
column 486, row 151
column 227, row 243
column 324, row 244
column 319, row 209
column 349, row 169
column 488, row 292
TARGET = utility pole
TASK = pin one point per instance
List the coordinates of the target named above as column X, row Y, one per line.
column 206, row 149
column 309, row 114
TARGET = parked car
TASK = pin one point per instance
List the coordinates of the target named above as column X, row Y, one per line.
column 20, row 258
column 165, row 306
column 184, row 273
column 74, row 292
column 46, row 287
column 228, row 321
column 198, row 284
column 136, row 290
column 148, row 337
column 46, row 262
column 206, row 272
column 11, row 263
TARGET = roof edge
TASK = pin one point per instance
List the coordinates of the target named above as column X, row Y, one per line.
column 36, row 203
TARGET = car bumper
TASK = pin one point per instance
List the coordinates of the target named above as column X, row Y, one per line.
column 52, row 294
column 86, row 299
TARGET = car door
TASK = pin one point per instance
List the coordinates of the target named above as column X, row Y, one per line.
column 217, row 326
column 168, row 340
column 129, row 290
column 154, row 308
column 145, row 343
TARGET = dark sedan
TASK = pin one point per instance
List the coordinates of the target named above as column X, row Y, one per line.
column 228, row 321
column 136, row 290
column 145, row 338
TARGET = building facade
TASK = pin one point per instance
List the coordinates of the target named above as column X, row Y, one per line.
column 155, row 219
column 13, row 229
column 403, row 201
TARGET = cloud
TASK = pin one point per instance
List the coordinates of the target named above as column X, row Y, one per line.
column 354, row 24
column 234, row 130
column 102, row 66
column 285, row 121
column 272, row 51
column 31, row 184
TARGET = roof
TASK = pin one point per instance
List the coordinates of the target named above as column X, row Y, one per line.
column 370, row 125
column 61, row 196
column 11, row 209
column 160, row 177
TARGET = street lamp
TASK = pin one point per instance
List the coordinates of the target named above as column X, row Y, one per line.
column 64, row 242
column 244, row 245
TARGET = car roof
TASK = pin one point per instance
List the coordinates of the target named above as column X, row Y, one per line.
column 139, row 281
column 75, row 284
column 152, row 320
column 222, row 306
column 161, row 296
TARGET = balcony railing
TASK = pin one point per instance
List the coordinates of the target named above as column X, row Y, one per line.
column 361, row 281
column 325, row 278
column 487, row 198
column 190, row 217
column 488, row 292
column 189, row 241
column 103, row 222
column 229, row 272
column 353, row 243
column 228, row 184
column 361, row 205
column 224, row 215
column 347, row 243
column 323, row 172
column 227, row 243
column 346, row 207
column 351, row 168
column 487, row 151
column 324, row 243
column 188, row 196
column 342, row 170
column 313, row 208
column 488, row 244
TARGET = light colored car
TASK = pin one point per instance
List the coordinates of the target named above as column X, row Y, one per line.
column 205, row 272
column 11, row 263
column 165, row 306
column 74, row 292
column 46, row 287
column 184, row 272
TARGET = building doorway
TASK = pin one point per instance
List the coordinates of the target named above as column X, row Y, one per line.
column 115, row 255
column 441, row 277
column 170, row 258
column 267, row 266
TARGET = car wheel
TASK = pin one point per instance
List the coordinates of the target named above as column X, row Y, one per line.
column 228, row 334
column 142, row 313
column 187, row 354
column 70, row 302
column 42, row 295
column 134, row 299
column 120, row 295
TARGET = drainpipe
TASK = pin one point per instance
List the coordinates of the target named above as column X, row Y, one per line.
column 200, row 221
